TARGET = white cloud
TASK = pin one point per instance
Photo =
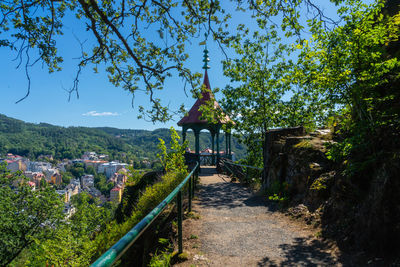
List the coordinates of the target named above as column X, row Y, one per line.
column 100, row 114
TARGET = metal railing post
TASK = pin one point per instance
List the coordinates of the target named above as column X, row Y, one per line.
column 193, row 185
column 196, row 177
column 190, row 194
column 179, row 204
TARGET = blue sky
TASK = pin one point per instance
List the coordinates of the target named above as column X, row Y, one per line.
column 100, row 103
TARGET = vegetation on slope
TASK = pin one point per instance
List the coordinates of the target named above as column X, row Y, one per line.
column 41, row 235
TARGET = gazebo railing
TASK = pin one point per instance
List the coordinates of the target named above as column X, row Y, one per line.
column 119, row 248
column 207, row 160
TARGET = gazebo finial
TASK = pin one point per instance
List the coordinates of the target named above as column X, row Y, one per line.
column 206, row 59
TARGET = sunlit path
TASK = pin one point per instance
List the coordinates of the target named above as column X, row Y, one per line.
column 238, row 228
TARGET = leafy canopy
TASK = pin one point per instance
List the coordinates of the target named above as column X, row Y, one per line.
column 139, row 43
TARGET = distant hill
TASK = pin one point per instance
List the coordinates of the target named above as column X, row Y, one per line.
column 32, row 140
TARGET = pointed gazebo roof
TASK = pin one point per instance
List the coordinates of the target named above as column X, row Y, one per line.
column 195, row 121
column 194, row 114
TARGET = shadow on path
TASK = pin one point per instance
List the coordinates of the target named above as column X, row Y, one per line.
column 223, row 194
column 303, row 253
column 207, row 171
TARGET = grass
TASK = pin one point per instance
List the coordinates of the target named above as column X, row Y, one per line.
column 176, row 257
column 192, row 215
column 193, row 237
column 161, row 259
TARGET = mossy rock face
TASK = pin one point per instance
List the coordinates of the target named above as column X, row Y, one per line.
column 320, row 188
column 315, row 166
column 319, row 184
column 303, row 144
column 324, row 182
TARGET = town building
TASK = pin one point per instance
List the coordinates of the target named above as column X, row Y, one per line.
column 61, row 166
column 94, row 163
column 111, row 167
column 73, row 188
column 15, row 165
column 35, row 177
column 119, row 177
column 87, row 180
column 69, row 210
column 32, row 185
column 94, row 192
column 64, row 195
column 89, row 156
column 52, row 176
column 39, row 166
column 116, row 194
column 56, row 178
column 45, row 157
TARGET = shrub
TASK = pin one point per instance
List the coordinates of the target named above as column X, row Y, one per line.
column 174, row 164
column 278, row 192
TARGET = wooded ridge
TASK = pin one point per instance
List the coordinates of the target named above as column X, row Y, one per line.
column 32, row 140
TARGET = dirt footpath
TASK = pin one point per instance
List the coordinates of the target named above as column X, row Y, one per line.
column 233, row 227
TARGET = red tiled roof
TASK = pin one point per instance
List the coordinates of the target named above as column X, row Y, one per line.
column 194, row 113
column 116, row 189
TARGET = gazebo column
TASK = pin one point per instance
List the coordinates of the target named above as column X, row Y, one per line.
column 212, row 148
column 230, row 145
column 184, row 134
column 227, row 144
column 197, row 143
column 218, row 146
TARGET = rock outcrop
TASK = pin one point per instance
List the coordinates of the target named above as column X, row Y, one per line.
column 362, row 218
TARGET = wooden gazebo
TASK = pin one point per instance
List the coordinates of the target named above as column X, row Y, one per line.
column 195, row 121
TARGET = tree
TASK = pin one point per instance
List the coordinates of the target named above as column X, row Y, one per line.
column 71, row 244
column 77, row 170
column 66, row 177
column 100, row 182
column 354, row 68
column 172, row 159
column 260, row 76
column 341, row 67
column 90, row 170
column 27, row 216
column 121, row 29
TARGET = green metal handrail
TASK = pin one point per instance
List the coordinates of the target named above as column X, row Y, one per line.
column 240, row 165
column 247, row 166
column 119, row 248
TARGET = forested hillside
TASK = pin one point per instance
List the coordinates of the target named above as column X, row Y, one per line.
column 32, row 140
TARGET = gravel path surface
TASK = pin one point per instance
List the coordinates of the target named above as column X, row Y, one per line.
column 237, row 228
